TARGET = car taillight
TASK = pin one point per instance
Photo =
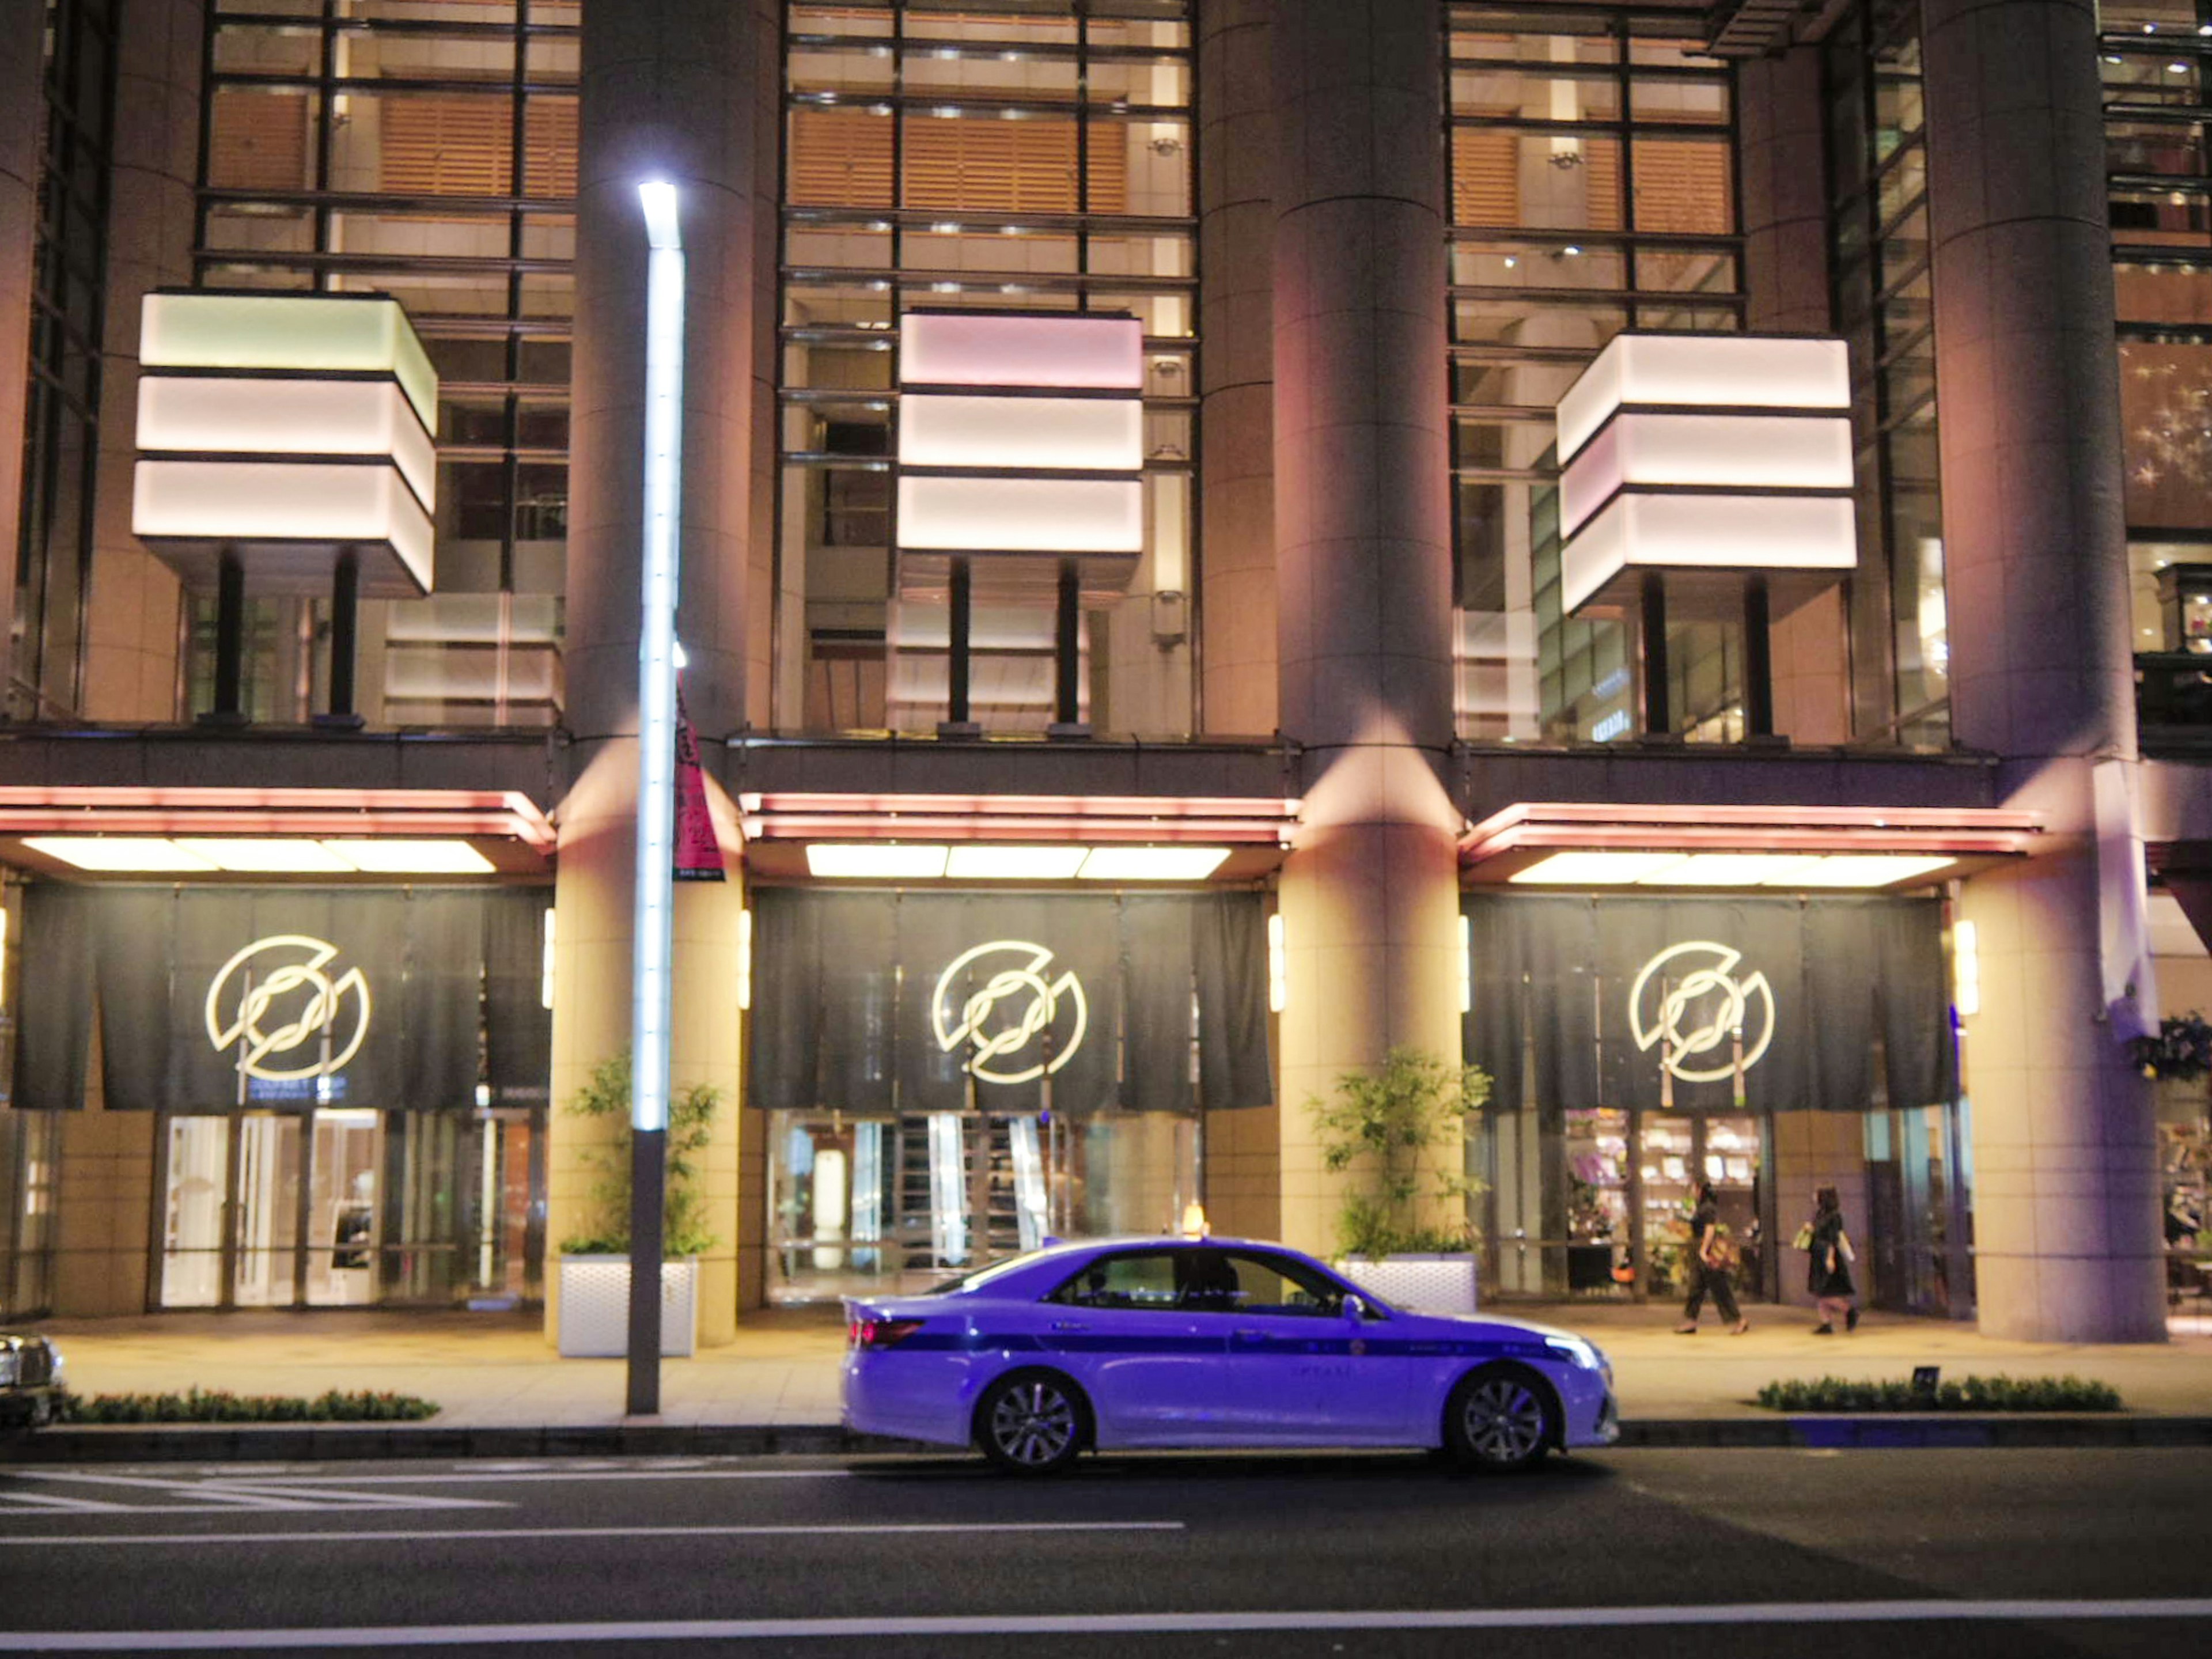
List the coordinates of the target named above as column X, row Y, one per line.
column 879, row 1333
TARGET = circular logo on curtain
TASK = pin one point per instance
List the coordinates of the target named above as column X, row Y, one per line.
column 1002, row 1002
column 278, row 1006
column 1689, row 998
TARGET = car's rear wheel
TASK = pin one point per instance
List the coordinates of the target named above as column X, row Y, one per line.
column 1501, row 1419
column 1032, row 1422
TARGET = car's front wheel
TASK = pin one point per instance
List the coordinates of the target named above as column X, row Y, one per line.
column 1501, row 1419
column 1032, row 1422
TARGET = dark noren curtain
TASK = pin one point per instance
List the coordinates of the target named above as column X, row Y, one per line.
column 872, row 1001
column 518, row 1025
column 1575, row 997
column 54, row 1037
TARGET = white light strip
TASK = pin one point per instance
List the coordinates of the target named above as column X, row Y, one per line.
column 1967, row 969
column 1726, row 532
column 1771, row 869
column 1278, row 966
column 1719, row 452
column 291, row 855
column 290, row 331
column 545, row 960
column 1703, row 370
column 1465, row 964
column 979, row 349
column 653, row 934
column 745, row 959
column 282, row 500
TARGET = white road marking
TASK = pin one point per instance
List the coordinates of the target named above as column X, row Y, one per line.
column 471, row 1478
column 227, row 1496
column 824, row 1530
column 1091, row 1623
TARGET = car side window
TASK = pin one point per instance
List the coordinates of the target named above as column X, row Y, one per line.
column 1143, row 1279
column 1272, row 1284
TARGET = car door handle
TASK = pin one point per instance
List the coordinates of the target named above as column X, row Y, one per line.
column 1069, row 1325
column 1251, row 1336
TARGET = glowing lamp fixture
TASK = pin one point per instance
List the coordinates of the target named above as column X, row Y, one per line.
column 265, row 855
column 1811, row 870
column 287, row 429
column 988, row 861
column 1707, row 453
column 1967, row 969
column 1021, row 433
column 653, row 934
column 1278, row 966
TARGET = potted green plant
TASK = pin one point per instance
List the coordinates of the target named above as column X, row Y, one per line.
column 1388, row 1128
column 594, row 1320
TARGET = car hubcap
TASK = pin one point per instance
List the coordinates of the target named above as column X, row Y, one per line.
column 1033, row 1422
column 1504, row 1422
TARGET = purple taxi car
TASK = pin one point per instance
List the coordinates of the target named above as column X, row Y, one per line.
column 1203, row 1343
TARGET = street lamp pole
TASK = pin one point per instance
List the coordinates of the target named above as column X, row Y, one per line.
column 656, row 791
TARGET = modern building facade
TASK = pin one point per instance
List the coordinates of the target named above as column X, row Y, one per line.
column 1061, row 868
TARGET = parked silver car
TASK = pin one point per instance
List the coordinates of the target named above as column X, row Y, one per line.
column 30, row 1379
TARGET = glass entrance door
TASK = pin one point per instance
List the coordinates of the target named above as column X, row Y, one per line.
column 195, row 1205
column 342, row 1220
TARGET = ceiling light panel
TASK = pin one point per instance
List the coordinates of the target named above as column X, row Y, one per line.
column 1603, row 869
column 268, row 855
column 874, row 861
column 411, row 857
column 984, row 862
column 1738, row 870
column 1021, row 515
column 119, row 854
column 1873, row 869
column 1152, row 863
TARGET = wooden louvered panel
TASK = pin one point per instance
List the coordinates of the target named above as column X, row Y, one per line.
column 1485, row 177
column 839, row 158
column 258, row 141
column 1601, row 168
column 1682, row 186
column 548, row 149
column 446, row 144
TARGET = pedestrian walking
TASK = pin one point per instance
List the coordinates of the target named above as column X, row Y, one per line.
column 1828, row 1272
column 1712, row 1260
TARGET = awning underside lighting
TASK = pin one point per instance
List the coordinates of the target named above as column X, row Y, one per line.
column 270, row 855
column 1606, row 869
column 988, row 862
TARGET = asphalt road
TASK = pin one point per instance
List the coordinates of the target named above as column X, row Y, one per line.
column 1641, row 1553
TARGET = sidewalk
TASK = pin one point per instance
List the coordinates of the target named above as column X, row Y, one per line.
column 492, row 1373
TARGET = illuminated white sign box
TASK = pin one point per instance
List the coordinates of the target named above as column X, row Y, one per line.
column 1720, row 452
column 1021, row 348
column 287, row 417
column 983, row 514
column 1740, row 371
column 350, row 333
column 1103, row 434
column 283, row 519
column 1786, row 533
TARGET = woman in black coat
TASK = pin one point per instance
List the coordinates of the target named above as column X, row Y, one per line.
column 1829, row 1269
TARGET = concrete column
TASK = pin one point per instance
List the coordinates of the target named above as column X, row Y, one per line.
column 681, row 90
column 1236, row 385
column 22, row 108
column 1781, row 156
column 2065, row 1195
column 1369, row 899
column 130, row 612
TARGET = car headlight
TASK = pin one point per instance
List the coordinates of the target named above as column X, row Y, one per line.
column 1575, row 1351
column 9, row 1364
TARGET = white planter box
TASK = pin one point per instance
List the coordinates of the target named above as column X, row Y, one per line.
column 595, row 1307
column 1418, row 1284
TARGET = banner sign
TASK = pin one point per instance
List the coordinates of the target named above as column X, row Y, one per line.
column 1014, row 1003
column 1697, row 1004
column 698, row 854
column 216, row 997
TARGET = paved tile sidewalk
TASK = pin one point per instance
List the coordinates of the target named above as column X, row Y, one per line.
column 497, row 1370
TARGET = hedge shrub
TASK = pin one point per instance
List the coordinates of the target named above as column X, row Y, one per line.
column 1974, row 1394
column 220, row 1406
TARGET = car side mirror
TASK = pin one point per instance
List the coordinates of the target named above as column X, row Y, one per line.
column 1355, row 1309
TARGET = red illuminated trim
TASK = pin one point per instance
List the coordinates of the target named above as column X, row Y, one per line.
column 1556, row 826
column 87, row 810
column 1213, row 820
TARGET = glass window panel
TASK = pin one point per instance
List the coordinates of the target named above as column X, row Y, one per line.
column 1503, row 263
column 1531, row 383
column 257, row 139
column 856, row 367
column 838, row 158
column 2162, row 146
column 1689, row 315
column 1652, row 45
column 1675, row 99
column 1696, row 270
column 860, row 245
column 1505, row 176
column 1684, row 187
column 1502, row 92
column 2155, row 77
column 555, row 59
column 253, row 228
column 544, row 362
column 1163, row 315
column 988, row 74
column 2164, row 294
column 856, row 17
column 1516, row 321
column 246, row 49
column 2175, row 218
column 413, row 235
column 853, row 305
column 866, row 71
column 407, row 54
column 985, row 249
column 1155, row 83
column 2166, row 417
column 1532, row 34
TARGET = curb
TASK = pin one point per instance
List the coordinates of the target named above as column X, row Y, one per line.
column 188, row 1442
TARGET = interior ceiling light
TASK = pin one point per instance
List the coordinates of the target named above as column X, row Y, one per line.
column 118, row 853
column 1152, row 863
column 986, row 862
column 262, row 855
column 412, row 858
column 1774, row 869
column 271, row 855
column 874, row 860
